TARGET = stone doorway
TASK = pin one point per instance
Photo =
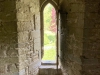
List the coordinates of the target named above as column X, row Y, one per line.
column 49, row 34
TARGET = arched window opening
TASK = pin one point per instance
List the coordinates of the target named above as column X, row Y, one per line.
column 49, row 34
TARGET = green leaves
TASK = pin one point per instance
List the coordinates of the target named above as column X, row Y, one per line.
column 47, row 16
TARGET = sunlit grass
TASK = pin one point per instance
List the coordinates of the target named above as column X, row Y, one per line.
column 49, row 54
column 49, row 46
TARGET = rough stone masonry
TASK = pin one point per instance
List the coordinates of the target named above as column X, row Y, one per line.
column 20, row 36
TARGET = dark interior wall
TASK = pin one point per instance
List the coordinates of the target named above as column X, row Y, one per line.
column 8, row 38
column 91, row 44
column 83, row 33
column 72, row 23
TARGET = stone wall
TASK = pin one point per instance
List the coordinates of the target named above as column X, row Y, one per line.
column 29, row 46
column 72, row 23
column 20, row 44
column 8, row 38
column 19, row 37
column 91, row 44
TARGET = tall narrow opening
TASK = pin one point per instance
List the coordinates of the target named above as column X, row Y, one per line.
column 49, row 34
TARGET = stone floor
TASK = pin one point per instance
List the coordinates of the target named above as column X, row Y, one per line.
column 49, row 70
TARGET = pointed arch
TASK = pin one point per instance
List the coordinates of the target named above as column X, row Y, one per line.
column 42, row 7
column 47, row 2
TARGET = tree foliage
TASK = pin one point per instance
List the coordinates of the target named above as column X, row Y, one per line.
column 49, row 24
column 47, row 16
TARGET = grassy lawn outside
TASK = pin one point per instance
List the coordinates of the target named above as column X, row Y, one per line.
column 49, row 54
column 49, row 46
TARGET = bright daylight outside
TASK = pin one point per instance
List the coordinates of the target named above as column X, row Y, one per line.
column 50, row 30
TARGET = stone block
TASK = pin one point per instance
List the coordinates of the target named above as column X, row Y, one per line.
column 77, row 7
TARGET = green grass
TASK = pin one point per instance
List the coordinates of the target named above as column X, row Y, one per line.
column 49, row 54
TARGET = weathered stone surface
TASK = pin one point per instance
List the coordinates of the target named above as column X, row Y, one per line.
column 17, row 36
column 28, row 30
column 8, row 38
column 20, row 37
column 91, row 42
column 72, row 24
